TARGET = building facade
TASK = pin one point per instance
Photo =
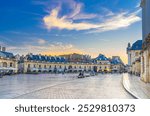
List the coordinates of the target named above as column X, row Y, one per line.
column 134, row 57
column 8, row 62
column 117, row 65
column 77, row 58
column 145, row 58
column 38, row 63
column 101, row 64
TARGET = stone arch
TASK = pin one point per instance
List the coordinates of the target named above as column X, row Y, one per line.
column 4, row 64
column 95, row 68
column 70, row 67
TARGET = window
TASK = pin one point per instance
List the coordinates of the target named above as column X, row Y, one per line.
column 44, row 66
column 29, row 66
column 39, row 66
column 34, row 66
column 136, row 53
column 50, row 66
column 11, row 64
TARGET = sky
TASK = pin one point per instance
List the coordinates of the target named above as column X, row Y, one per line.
column 55, row 27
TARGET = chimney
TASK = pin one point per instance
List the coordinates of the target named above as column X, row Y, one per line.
column 3, row 49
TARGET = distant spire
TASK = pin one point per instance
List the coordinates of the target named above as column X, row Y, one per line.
column 129, row 45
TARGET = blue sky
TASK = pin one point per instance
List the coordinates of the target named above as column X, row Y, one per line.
column 56, row 27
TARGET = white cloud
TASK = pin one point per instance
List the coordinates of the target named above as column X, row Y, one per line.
column 52, row 21
column 84, row 16
column 120, row 20
column 77, row 13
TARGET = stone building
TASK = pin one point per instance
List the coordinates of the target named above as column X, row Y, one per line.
column 134, row 55
column 145, row 58
column 102, row 64
column 39, row 63
column 77, row 57
column 117, row 65
column 8, row 62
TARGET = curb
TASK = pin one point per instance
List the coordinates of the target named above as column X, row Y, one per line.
column 128, row 90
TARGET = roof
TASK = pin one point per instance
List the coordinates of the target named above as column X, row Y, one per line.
column 45, row 58
column 6, row 54
column 101, row 57
column 137, row 45
column 116, row 60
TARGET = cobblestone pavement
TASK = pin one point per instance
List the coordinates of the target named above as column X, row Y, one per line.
column 16, row 85
column 136, row 87
column 58, row 86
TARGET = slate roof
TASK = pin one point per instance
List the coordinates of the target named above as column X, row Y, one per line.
column 137, row 45
column 6, row 54
column 101, row 57
column 45, row 58
column 116, row 61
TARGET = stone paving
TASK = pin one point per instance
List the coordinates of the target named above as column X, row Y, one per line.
column 16, row 85
column 136, row 87
column 68, row 86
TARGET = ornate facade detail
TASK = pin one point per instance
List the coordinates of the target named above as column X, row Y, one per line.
column 142, row 3
column 146, row 43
